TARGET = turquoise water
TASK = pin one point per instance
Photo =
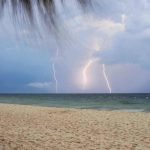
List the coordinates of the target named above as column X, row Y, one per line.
column 124, row 102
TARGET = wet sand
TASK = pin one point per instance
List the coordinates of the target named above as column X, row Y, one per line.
column 41, row 128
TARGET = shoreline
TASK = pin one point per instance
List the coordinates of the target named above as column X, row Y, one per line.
column 99, row 109
column 33, row 127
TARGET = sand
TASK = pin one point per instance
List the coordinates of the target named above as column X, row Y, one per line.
column 40, row 128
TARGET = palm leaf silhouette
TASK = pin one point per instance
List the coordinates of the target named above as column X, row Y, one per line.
column 46, row 8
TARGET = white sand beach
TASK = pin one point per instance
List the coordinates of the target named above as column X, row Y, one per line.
column 40, row 128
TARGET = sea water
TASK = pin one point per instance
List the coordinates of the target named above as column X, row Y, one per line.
column 123, row 102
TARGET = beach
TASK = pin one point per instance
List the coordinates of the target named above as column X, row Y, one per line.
column 42, row 128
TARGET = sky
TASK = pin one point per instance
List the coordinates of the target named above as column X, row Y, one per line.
column 104, row 50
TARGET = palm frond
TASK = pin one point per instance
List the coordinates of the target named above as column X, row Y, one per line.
column 46, row 9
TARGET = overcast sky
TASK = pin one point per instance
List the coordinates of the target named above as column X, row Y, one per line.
column 115, row 35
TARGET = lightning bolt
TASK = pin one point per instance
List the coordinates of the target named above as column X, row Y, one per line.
column 106, row 79
column 54, row 72
column 84, row 72
column 55, row 78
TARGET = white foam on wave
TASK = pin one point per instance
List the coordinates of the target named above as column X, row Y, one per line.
column 132, row 110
